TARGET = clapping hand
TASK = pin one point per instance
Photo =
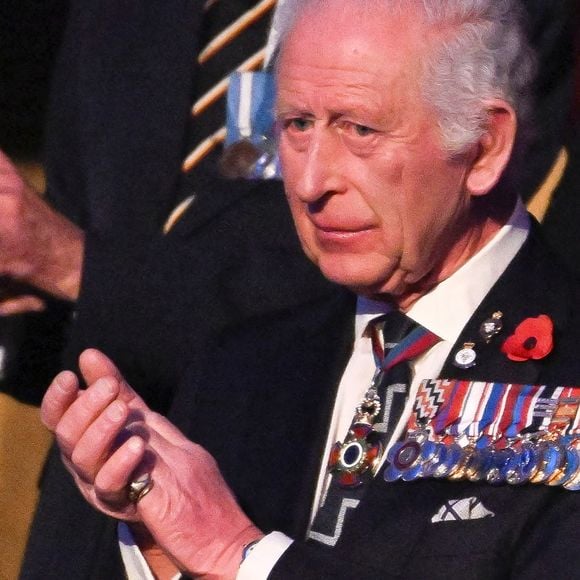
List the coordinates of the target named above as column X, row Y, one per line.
column 109, row 438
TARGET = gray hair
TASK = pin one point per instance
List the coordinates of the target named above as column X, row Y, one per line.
column 483, row 54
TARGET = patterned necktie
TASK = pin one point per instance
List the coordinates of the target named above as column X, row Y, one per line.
column 353, row 462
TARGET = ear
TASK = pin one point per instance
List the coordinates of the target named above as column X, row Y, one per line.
column 494, row 148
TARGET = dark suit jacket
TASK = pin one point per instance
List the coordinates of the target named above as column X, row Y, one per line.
column 117, row 134
column 265, row 413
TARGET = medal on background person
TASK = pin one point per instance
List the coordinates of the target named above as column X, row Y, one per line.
column 250, row 147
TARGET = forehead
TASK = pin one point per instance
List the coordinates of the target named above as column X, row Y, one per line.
column 353, row 47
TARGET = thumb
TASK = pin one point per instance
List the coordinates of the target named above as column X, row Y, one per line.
column 94, row 365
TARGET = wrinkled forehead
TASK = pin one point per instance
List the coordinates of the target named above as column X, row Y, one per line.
column 293, row 14
column 346, row 39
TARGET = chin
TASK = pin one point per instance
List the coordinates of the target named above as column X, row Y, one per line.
column 359, row 277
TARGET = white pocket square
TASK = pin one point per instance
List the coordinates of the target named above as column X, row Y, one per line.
column 469, row 508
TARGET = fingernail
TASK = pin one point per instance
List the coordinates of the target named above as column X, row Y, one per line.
column 134, row 444
column 64, row 386
column 115, row 411
column 101, row 390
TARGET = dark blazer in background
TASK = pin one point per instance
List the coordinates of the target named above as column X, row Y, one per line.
column 116, row 136
column 553, row 27
column 152, row 302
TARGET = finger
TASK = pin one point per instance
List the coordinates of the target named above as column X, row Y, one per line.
column 6, row 164
column 21, row 305
column 121, row 468
column 99, row 441
column 59, row 396
column 9, row 177
column 82, row 412
column 94, row 365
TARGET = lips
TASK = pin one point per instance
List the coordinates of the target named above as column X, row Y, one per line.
column 341, row 237
column 341, row 230
column 339, row 226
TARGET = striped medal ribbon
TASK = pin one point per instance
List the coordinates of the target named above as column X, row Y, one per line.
column 497, row 432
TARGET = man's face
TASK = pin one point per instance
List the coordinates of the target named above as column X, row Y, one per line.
column 377, row 202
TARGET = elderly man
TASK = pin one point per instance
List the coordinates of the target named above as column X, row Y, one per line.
column 397, row 121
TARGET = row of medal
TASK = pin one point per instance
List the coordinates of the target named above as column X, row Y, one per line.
column 494, row 432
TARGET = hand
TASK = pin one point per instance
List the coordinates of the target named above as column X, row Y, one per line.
column 38, row 246
column 108, row 437
column 15, row 298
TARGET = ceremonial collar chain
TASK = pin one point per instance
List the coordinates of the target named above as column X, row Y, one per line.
column 356, row 458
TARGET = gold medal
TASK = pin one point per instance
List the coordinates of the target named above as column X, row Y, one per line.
column 492, row 326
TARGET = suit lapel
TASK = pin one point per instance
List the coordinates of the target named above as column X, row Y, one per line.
column 522, row 292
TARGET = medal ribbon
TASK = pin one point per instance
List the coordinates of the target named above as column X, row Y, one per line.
column 500, row 398
column 468, row 414
column 520, row 411
column 506, row 417
column 565, row 412
column 545, row 408
column 494, row 402
column 417, row 342
column 475, row 429
column 451, row 409
column 575, row 425
column 542, row 403
column 431, row 395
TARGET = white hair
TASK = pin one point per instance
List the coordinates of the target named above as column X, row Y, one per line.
column 482, row 54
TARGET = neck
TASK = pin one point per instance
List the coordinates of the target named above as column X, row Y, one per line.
column 485, row 221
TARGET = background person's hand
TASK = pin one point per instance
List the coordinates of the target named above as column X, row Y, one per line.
column 38, row 246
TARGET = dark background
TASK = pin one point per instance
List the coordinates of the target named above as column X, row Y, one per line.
column 30, row 33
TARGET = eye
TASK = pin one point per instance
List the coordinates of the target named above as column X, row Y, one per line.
column 363, row 131
column 355, row 130
column 360, row 139
column 299, row 124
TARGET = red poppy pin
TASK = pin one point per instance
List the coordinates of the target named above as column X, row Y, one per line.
column 532, row 339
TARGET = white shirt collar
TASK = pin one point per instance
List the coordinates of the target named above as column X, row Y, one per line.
column 446, row 309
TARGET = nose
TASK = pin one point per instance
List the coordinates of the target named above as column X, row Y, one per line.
column 323, row 172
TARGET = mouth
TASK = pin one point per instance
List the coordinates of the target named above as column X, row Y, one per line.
column 341, row 235
column 342, row 231
column 341, row 226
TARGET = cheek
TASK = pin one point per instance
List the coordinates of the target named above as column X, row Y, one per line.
column 385, row 196
column 435, row 204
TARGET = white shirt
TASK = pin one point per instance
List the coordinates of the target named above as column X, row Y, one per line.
column 445, row 310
